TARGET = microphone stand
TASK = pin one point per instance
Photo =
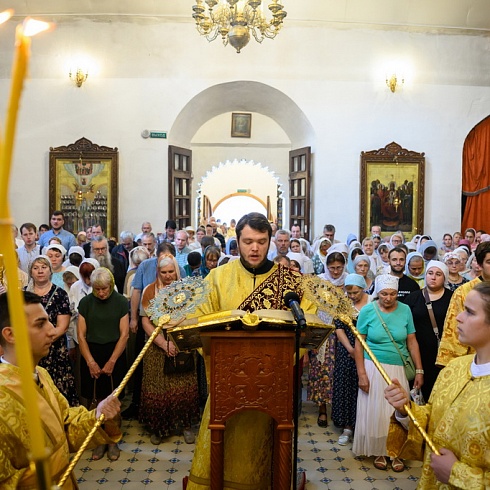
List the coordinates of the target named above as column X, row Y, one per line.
column 296, row 398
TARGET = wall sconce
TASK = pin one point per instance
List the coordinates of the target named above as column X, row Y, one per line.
column 79, row 77
column 393, row 83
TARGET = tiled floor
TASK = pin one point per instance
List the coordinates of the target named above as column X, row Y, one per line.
column 327, row 465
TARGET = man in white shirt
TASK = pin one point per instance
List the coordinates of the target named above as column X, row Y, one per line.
column 30, row 250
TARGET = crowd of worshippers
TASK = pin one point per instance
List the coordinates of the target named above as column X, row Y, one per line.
column 88, row 280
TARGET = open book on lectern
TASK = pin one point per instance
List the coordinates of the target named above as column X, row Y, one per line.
column 187, row 336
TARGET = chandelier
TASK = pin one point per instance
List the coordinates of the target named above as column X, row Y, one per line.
column 234, row 20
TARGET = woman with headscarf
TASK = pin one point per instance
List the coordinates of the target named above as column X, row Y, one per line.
column 354, row 250
column 103, row 331
column 428, row 250
column 362, row 264
column 320, row 249
column 345, row 387
column 415, row 268
column 376, row 322
column 210, row 259
column 397, row 239
column 57, row 305
column 320, row 386
column 231, row 248
column 56, row 253
column 447, row 245
column 169, row 402
column 434, row 297
column 471, row 269
column 454, row 278
column 369, row 250
column 422, row 239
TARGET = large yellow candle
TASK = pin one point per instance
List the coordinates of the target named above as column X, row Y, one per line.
column 16, row 304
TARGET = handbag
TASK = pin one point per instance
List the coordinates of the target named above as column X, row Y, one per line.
column 408, row 363
column 428, row 304
column 95, row 401
column 182, row 363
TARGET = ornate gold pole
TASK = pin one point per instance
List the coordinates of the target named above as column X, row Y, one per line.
column 115, row 393
column 348, row 321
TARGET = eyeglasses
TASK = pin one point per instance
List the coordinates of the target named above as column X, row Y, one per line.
column 453, row 262
column 335, row 269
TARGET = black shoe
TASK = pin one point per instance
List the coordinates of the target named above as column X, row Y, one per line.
column 131, row 412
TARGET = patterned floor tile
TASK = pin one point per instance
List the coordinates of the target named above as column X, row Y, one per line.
column 143, row 466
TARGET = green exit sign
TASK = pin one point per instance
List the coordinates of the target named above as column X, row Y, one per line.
column 158, row 134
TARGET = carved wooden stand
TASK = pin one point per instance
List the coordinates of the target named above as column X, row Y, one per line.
column 252, row 371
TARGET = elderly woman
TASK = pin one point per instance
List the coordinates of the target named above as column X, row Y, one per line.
column 362, row 266
column 169, row 402
column 454, row 278
column 345, row 386
column 320, row 249
column 368, row 249
column 103, row 331
column 57, row 305
column 434, row 297
column 320, row 385
column 457, row 416
column 136, row 256
column 378, row 323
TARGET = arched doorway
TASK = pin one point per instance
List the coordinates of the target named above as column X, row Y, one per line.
column 215, row 104
column 232, row 189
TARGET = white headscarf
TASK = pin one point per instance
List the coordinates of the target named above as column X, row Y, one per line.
column 385, row 281
column 441, row 266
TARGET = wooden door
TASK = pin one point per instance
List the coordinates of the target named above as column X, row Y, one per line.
column 180, row 185
column 299, row 189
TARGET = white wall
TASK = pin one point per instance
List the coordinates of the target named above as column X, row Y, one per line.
column 148, row 71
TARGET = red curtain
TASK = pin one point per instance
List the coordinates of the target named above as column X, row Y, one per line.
column 476, row 177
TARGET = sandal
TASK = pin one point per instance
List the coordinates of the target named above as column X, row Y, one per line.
column 380, row 463
column 98, row 452
column 397, row 465
column 113, row 452
column 322, row 420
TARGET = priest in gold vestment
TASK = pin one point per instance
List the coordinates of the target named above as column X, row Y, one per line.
column 65, row 428
column 249, row 284
column 457, row 417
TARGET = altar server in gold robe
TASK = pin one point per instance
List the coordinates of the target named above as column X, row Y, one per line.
column 457, row 417
column 65, row 428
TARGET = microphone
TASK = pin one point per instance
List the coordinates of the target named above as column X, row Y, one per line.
column 291, row 300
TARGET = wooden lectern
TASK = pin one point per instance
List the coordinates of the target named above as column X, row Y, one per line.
column 251, row 368
column 252, row 371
